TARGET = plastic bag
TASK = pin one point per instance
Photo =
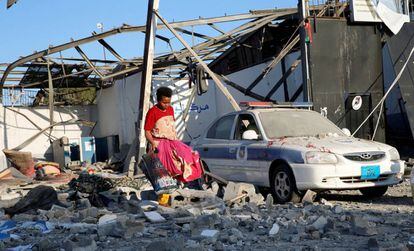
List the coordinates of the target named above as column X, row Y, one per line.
column 156, row 173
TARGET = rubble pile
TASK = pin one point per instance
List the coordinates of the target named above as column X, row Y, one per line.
column 132, row 219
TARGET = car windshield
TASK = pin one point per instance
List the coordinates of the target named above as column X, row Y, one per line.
column 296, row 123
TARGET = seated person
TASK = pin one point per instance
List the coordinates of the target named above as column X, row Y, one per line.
column 178, row 158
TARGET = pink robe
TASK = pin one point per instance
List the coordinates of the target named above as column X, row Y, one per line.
column 180, row 160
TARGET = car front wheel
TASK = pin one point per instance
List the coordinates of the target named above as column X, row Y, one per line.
column 283, row 185
column 372, row 192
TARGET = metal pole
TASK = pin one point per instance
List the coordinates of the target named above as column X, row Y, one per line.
column 103, row 47
column 304, row 52
column 51, row 94
column 146, row 79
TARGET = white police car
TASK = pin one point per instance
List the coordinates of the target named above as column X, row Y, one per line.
column 292, row 150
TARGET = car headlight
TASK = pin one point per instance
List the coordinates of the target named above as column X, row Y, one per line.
column 321, row 158
column 394, row 155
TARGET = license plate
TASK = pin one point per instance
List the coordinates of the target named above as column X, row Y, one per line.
column 370, row 172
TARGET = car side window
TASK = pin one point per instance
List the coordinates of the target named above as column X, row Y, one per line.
column 245, row 122
column 222, row 128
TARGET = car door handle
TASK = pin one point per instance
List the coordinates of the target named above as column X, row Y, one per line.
column 232, row 150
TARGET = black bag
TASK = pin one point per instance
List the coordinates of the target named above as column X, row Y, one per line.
column 40, row 197
column 156, row 173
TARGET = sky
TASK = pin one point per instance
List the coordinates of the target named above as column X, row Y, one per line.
column 33, row 25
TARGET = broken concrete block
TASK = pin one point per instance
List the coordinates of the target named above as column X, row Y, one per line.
column 89, row 212
column 320, row 223
column 209, row 233
column 215, row 187
column 274, row 230
column 269, row 202
column 326, row 203
column 233, row 190
column 338, row 209
column 132, row 227
column 83, row 203
column 309, row 196
column 107, row 218
column 147, row 205
column 154, row 217
column 194, row 211
column 80, row 243
column 360, row 226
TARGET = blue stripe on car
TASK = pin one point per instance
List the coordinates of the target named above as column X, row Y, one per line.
column 216, row 153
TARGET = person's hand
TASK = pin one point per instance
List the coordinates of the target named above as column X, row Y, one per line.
column 154, row 146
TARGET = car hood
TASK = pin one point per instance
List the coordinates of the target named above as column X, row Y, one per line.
column 338, row 145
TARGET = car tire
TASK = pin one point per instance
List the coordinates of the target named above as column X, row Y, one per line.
column 373, row 192
column 283, row 185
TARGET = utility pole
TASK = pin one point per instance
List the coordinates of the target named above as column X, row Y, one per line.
column 303, row 14
column 146, row 79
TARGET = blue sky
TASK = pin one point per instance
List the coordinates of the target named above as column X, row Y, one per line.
column 33, row 25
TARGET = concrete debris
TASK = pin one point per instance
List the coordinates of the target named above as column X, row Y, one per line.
column 309, row 197
column 200, row 220
column 242, row 192
column 361, row 226
column 80, row 243
column 320, row 223
column 274, row 230
column 269, row 202
column 209, row 233
column 154, row 217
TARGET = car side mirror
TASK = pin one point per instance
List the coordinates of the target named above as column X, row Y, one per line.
column 250, row 135
column 346, row 131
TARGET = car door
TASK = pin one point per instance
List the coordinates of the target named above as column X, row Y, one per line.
column 218, row 149
column 246, row 168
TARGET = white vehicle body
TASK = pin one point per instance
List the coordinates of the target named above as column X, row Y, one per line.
column 325, row 161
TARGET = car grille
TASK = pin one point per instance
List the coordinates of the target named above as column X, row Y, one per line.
column 357, row 179
column 365, row 156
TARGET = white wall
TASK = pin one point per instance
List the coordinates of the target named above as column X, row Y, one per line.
column 15, row 128
column 118, row 109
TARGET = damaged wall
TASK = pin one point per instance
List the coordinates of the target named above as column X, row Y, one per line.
column 15, row 129
column 346, row 61
column 245, row 77
column 117, row 105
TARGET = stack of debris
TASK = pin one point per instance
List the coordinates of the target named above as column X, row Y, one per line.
column 108, row 212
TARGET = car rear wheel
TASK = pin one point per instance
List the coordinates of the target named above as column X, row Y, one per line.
column 283, row 185
column 372, row 192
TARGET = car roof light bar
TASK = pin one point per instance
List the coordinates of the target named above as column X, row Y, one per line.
column 258, row 104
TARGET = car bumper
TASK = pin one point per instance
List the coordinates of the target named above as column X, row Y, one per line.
column 323, row 176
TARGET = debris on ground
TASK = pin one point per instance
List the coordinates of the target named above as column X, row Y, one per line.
column 112, row 212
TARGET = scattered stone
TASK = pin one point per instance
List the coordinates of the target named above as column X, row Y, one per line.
column 209, row 233
column 338, row 209
column 154, row 217
column 360, row 226
column 326, row 203
column 269, row 202
column 233, row 190
column 320, row 223
column 215, row 187
column 80, row 243
column 274, row 230
column 309, row 196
